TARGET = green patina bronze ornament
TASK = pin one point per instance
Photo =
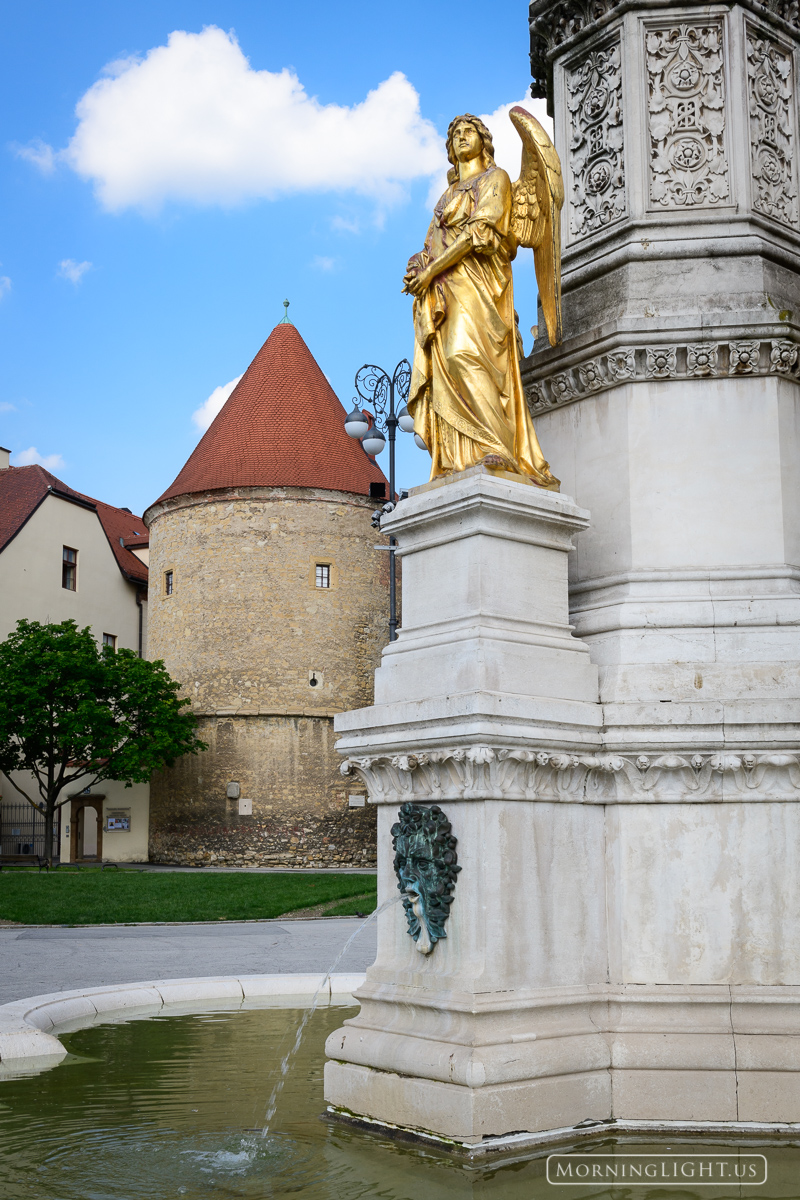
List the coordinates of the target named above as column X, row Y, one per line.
column 425, row 862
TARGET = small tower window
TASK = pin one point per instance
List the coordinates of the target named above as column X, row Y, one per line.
column 69, row 569
column 168, row 583
column 323, row 575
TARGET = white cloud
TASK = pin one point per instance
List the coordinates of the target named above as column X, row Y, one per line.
column 321, row 263
column 204, row 415
column 31, row 457
column 40, row 154
column 192, row 121
column 5, row 286
column 74, row 271
column 6, row 407
column 507, row 146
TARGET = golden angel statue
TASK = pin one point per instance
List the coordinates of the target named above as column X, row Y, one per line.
column 466, row 393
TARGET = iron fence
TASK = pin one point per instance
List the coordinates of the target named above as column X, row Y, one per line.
column 22, row 832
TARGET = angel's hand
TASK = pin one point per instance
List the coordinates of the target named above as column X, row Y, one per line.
column 418, row 283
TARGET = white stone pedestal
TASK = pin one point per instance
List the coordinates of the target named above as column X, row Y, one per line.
column 624, row 940
column 486, row 671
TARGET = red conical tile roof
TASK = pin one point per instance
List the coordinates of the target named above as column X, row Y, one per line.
column 281, row 426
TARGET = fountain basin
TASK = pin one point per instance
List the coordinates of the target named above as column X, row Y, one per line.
column 172, row 1106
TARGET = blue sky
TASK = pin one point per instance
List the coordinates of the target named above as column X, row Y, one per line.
column 223, row 156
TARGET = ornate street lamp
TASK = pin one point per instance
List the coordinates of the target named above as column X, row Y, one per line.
column 380, row 392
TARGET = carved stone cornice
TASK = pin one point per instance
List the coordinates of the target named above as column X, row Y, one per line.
column 555, row 27
column 484, row 772
column 677, row 360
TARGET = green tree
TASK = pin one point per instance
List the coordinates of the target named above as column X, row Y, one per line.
column 71, row 711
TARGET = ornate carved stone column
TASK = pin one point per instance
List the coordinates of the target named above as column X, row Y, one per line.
column 671, row 408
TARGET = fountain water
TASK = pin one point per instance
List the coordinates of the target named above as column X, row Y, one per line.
column 309, row 1012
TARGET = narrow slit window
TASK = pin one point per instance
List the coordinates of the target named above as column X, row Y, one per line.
column 69, row 569
column 110, row 639
column 168, row 583
column 323, row 575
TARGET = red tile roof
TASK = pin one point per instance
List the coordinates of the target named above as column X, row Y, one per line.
column 282, row 426
column 22, row 490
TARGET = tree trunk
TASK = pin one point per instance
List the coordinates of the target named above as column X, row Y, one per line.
column 49, row 814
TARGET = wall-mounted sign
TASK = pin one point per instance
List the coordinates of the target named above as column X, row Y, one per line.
column 118, row 818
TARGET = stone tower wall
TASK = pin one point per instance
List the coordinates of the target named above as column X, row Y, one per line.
column 246, row 631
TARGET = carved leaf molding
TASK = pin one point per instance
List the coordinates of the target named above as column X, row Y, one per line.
column 513, row 773
column 563, row 24
column 556, row 25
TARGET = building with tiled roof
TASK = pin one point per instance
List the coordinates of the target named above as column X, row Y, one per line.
column 269, row 603
column 65, row 555
column 24, row 489
column 282, row 426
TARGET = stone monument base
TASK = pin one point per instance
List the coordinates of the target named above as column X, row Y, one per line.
column 624, row 936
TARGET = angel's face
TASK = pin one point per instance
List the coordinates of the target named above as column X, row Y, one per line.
column 467, row 142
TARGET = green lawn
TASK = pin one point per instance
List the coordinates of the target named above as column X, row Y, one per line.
column 94, row 897
column 361, row 906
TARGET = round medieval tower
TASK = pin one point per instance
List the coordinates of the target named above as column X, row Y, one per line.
column 269, row 603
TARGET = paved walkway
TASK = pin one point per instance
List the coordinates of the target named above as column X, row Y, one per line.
column 38, row 959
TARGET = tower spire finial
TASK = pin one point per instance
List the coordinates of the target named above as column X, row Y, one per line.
column 285, row 320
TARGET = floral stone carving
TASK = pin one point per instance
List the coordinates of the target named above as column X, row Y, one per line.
column 484, row 772
column 426, row 865
column 688, row 164
column 698, row 360
column 770, row 86
column 701, row 358
column 621, row 365
column 743, row 358
column 783, row 357
column 662, row 362
column 594, row 89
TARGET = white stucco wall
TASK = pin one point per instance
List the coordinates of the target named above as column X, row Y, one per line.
column 119, row 845
column 30, row 575
column 30, row 587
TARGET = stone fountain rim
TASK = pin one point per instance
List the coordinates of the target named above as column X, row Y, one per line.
column 29, row 1028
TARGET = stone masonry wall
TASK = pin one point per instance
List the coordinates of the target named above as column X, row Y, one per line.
column 288, row 768
column 266, row 658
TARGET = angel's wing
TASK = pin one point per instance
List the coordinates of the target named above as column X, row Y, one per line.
column 537, row 199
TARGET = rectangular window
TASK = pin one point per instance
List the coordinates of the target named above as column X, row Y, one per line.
column 110, row 639
column 323, row 575
column 69, row 569
column 168, row 588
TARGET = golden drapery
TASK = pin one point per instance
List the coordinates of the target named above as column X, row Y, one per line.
column 466, row 393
